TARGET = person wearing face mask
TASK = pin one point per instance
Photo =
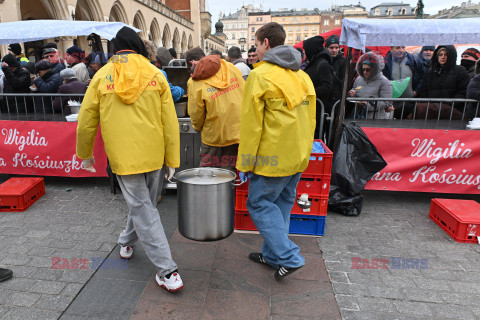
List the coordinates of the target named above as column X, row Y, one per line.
column 469, row 57
column 445, row 79
column 425, row 56
column 399, row 65
column 371, row 83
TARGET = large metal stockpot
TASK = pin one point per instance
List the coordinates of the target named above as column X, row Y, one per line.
column 205, row 198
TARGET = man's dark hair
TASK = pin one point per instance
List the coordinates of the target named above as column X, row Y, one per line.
column 216, row 52
column 252, row 49
column 234, row 53
column 194, row 54
column 273, row 32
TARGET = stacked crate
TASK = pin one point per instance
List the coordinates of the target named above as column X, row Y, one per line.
column 315, row 181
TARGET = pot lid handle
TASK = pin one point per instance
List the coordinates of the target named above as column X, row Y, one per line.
column 205, row 172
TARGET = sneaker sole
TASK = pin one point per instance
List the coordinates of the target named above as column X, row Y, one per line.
column 165, row 287
column 123, row 257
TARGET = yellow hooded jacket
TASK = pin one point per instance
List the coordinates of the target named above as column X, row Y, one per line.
column 214, row 105
column 131, row 99
column 278, row 121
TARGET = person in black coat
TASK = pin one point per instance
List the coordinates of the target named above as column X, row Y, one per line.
column 47, row 81
column 70, row 85
column 445, row 79
column 338, row 64
column 17, row 80
column 473, row 92
column 319, row 68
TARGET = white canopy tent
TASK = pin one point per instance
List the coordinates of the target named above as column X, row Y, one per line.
column 358, row 33
column 32, row 30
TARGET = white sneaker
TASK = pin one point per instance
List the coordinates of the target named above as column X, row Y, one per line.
column 126, row 252
column 172, row 284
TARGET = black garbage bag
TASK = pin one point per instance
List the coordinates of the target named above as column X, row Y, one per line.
column 355, row 162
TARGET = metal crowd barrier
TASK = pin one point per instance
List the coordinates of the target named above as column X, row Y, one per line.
column 406, row 113
column 34, row 106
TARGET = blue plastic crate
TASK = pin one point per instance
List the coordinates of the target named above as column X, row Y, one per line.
column 303, row 224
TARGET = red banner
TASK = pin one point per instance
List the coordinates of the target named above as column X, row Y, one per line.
column 44, row 148
column 422, row 160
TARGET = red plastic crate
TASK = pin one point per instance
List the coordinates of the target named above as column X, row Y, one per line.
column 299, row 224
column 318, row 208
column 320, row 163
column 458, row 218
column 314, row 185
column 17, row 194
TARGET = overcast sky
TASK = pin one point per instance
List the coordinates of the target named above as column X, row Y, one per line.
column 225, row 6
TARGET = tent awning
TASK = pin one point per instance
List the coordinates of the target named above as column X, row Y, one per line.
column 32, row 30
column 359, row 33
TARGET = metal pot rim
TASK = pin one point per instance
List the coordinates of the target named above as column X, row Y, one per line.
column 197, row 179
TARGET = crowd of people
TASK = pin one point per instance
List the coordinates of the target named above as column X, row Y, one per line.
column 53, row 74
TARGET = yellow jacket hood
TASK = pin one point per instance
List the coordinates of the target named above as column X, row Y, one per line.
column 132, row 74
column 213, row 71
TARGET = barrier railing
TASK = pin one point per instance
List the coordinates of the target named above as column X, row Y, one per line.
column 36, row 106
column 421, row 113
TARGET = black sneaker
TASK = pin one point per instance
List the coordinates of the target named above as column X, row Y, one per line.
column 283, row 272
column 5, row 274
column 258, row 258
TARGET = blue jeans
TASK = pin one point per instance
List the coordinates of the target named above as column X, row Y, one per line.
column 270, row 200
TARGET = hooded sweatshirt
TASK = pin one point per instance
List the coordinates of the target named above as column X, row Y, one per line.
column 215, row 94
column 278, row 116
column 448, row 81
column 132, row 100
column 377, row 86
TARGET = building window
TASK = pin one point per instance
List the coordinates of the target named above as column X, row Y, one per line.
column 306, row 28
column 326, row 22
column 306, row 18
column 389, row 12
column 253, row 37
column 314, row 28
column 305, row 36
column 290, row 38
column 226, row 48
column 377, row 12
column 261, row 18
column 298, row 38
column 257, row 18
column 253, row 29
column 290, row 29
column 299, row 28
column 404, row 11
column 233, row 36
column 337, row 22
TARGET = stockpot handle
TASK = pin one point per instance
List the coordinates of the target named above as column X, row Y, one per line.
column 239, row 184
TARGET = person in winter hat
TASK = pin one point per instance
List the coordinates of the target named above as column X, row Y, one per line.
column 16, row 50
column 338, row 64
column 75, row 58
column 371, row 83
column 469, row 57
column 16, row 80
column 320, row 70
column 140, row 131
column 276, row 138
column 70, row 85
column 162, row 58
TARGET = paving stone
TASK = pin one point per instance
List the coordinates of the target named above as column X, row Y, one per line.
column 23, row 271
column 3, row 310
column 364, row 278
column 53, row 302
column 386, row 292
column 78, row 276
column 448, row 311
column 413, row 308
column 413, row 294
column 339, row 277
column 47, row 287
column 434, row 284
column 18, row 284
column 31, row 314
column 37, row 234
column 21, row 299
column 359, row 315
column 351, row 289
column 4, row 293
column 375, row 304
column 72, row 289
column 399, row 316
column 15, row 260
column 465, row 287
column 347, row 302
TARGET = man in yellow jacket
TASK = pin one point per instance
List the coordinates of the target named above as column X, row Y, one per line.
column 276, row 138
column 215, row 93
column 131, row 99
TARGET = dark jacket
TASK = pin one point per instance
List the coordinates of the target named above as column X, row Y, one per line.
column 338, row 74
column 319, row 68
column 451, row 81
column 17, row 81
column 71, row 86
column 473, row 92
column 418, row 71
column 49, row 83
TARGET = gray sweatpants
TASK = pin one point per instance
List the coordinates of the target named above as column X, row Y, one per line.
column 143, row 222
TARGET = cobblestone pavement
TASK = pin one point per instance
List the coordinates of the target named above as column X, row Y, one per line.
column 444, row 282
column 82, row 223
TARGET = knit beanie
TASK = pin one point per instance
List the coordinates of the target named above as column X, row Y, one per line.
column 331, row 40
column 11, row 60
column 472, row 52
column 15, row 48
column 42, row 65
column 427, row 48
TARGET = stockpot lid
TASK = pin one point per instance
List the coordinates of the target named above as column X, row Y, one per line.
column 205, row 176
